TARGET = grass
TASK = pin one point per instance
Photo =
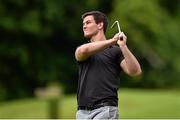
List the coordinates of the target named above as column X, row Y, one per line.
column 132, row 104
column 149, row 104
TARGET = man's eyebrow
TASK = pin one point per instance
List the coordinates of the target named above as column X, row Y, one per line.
column 87, row 21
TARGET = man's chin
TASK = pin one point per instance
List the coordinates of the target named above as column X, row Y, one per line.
column 87, row 36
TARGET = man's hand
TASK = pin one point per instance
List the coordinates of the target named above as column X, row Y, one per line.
column 120, row 39
column 121, row 42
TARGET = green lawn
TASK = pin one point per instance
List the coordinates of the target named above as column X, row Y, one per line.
column 132, row 104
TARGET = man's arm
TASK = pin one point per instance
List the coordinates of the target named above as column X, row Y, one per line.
column 89, row 49
column 129, row 64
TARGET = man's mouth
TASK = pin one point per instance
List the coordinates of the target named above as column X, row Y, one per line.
column 85, row 30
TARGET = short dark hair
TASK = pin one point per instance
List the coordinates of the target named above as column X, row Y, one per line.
column 98, row 17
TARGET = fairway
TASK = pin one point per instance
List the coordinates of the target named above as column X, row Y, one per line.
column 132, row 104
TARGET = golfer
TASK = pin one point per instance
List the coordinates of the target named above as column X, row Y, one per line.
column 100, row 62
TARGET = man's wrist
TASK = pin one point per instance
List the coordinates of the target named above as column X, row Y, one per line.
column 122, row 46
column 111, row 42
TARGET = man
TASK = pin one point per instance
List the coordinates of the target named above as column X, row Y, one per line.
column 100, row 62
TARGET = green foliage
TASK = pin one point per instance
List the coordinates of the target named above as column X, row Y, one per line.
column 38, row 39
column 153, row 35
column 37, row 43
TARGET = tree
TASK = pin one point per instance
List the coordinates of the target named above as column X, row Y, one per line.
column 153, row 37
column 37, row 43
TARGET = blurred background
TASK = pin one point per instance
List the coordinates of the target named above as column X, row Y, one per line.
column 38, row 71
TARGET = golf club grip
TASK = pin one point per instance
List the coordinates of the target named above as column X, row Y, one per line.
column 121, row 38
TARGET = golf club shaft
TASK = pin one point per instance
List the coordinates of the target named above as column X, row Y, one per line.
column 119, row 30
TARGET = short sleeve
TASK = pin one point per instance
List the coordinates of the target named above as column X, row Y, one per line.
column 118, row 53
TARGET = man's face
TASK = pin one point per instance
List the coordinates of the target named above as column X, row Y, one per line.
column 90, row 27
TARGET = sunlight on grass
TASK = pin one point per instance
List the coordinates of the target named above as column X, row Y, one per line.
column 27, row 108
column 149, row 104
column 132, row 104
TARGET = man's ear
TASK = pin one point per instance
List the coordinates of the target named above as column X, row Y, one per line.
column 100, row 25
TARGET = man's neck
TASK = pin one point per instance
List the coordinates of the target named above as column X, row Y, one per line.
column 98, row 37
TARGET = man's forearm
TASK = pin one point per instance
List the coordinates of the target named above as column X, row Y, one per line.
column 132, row 64
column 89, row 49
column 94, row 47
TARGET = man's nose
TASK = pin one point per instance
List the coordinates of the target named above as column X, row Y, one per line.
column 84, row 26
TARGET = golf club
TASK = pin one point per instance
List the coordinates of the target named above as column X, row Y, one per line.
column 117, row 22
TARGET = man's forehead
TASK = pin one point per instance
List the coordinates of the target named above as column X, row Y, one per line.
column 87, row 18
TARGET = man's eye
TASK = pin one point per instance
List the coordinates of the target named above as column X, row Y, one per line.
column 88, row 22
